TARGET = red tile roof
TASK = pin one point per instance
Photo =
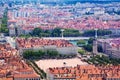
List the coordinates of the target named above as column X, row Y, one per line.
column 37, row 42
column 86, row 72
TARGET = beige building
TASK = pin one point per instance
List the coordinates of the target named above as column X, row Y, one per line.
column 27, row 74
column 12, row 31
column 84, row 72
column 110, row 47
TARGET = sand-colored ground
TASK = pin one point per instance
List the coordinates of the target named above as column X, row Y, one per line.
column 45, row 64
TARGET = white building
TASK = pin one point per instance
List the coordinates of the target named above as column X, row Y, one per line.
column 12, row 31
column 110, row 47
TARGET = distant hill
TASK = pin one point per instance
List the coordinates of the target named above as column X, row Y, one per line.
column 67, row 1
column 75, row 1
column 61, row 0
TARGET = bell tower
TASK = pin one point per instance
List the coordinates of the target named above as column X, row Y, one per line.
column 95, row 51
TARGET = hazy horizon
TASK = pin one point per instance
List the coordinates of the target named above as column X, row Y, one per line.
column 62, row 0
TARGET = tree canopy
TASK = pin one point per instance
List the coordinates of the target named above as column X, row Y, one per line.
column 56, row 32
column 99, row 33
column 3, row 27
column 38, row 32
column 30, row 54
column 81, row 42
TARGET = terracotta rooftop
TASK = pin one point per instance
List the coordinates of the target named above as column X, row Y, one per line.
column 38, row 42
column 86, row 72
column 11, row 65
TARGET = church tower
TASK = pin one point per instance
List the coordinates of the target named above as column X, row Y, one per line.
column 95, row 51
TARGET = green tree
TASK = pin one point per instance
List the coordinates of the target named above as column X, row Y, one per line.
column 81, row 51
column 81, row 42
column 71, row 33
column 3, row 27
column 52, row 53
column 88, row 47
column 99, row 32
column 90, row 41
column 37, row 32
column 89, row 33
column 56, row 32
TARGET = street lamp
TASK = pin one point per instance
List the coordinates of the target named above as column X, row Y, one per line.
column 62, row 32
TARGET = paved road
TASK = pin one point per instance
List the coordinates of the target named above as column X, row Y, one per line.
column 66, row 38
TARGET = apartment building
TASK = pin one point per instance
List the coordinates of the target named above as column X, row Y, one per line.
column 110, row 47
column 12, row 67
column 62, row 46
column 84, row 72
column 74, row 17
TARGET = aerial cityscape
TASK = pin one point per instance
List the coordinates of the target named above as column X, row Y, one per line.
column 59, row 40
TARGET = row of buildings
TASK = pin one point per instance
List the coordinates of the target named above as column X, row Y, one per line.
column 84, row 72
column 62, row 46
column 110, row 47
column 12, row 67
column 23, row 19
column 79, row 72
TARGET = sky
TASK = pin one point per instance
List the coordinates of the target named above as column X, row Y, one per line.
column 68, row 0
column 80, row 0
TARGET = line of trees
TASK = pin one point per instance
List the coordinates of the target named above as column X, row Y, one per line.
column 37, row 69
column 91, row 33
column 67, row 33
column 4, row 20
column 103, row 60
column 30, row 54
column 46, row 54
column 38, row 32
